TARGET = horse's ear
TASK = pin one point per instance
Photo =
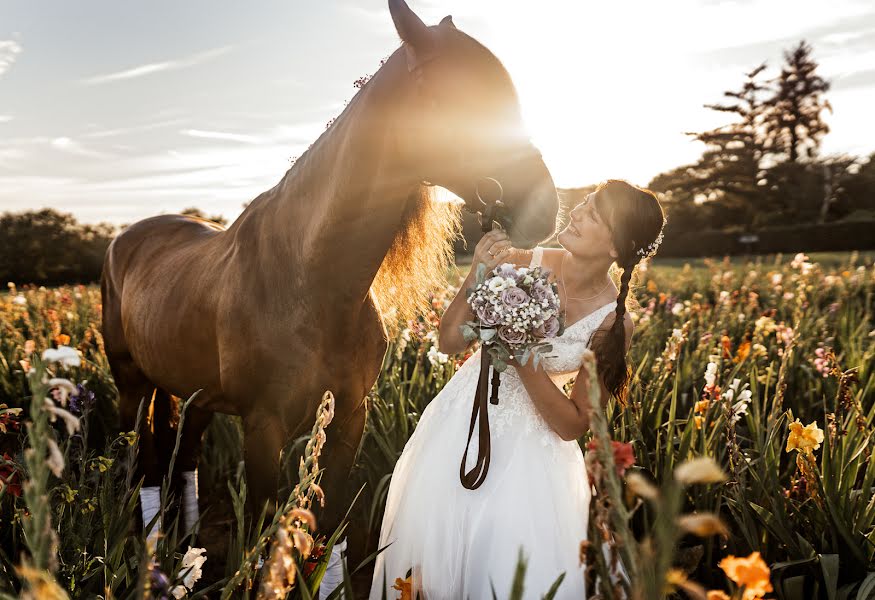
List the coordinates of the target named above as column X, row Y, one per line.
column 448, row 21
column 409, row 26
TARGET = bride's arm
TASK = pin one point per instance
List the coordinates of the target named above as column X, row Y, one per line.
column 450, row 339
column 568, row 416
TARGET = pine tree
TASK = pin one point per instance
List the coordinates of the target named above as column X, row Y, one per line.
column 792, row 116
column 729, row 169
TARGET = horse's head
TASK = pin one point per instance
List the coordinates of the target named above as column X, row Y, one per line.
column 464, row 125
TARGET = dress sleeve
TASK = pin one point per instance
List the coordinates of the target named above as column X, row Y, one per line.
column 537, row 251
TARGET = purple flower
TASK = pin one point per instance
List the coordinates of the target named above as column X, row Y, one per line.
column 488, row 315
column 159, row 584
column 506, row 270
column 82, row 401
column 514, row 297
column 541, row 291
column 548, row 328
column 510, row 335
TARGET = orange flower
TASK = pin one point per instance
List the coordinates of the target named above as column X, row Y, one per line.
column 651, row 286
column 751, row 572
column 62, row 339
column 405, row 586
column 742, row 353
column 698, row 420
column 717, row 595
column 727, row 346
column 702, row 405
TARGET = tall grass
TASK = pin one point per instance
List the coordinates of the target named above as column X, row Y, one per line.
column 797, row 336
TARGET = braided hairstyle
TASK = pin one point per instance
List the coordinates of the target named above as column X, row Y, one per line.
column 635, row 218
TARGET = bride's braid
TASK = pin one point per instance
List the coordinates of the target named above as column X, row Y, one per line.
column 636, row 220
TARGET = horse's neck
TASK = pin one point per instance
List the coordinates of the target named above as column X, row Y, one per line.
column 335, row 213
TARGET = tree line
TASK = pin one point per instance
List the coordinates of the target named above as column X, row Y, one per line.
column 763, row 167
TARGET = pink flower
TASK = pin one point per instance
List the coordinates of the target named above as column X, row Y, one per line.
column 548, row 328
column 510, row 335
column 514, row 297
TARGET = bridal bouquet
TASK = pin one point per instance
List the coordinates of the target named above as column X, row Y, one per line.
column 517, row 310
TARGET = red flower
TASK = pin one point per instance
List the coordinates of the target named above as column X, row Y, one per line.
column 624, row 455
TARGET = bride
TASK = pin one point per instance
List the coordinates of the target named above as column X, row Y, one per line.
column 446, row 541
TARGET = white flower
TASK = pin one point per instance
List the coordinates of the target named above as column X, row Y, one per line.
column 437, row 357
column 70, row 421
column 431, row 336
column 55, row 461
column 192, row 562
column 777, row 278
column 65, row 355
column 711, row 374
column 677, row 309
column 20, row 300
column 65, row 389
column 179, row 591
column 497, row 284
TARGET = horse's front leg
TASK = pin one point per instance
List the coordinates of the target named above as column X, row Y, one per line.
column 264, row 435
column 343, row 436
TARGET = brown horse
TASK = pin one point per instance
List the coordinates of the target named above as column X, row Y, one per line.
column 300, row 293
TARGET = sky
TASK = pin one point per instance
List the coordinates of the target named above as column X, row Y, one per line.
column 116, row 111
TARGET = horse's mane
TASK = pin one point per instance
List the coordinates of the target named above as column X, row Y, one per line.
column 418, row 261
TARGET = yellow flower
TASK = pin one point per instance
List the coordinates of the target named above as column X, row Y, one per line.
column 751, row 572
column 698, row 420
column 804, row 439
column 702, row 405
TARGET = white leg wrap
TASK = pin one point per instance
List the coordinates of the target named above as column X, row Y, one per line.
column 334, row 573
column 189, row 500
column 150, row 499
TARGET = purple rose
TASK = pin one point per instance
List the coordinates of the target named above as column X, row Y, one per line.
column 540, row 291
column 506, row 270
column 548, row 328
column 487, row 315
column 511, row 336
column 514, row 297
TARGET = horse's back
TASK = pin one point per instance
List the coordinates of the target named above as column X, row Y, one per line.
column 152, row 238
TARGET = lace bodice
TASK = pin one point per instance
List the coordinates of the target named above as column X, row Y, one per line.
column 515, row 411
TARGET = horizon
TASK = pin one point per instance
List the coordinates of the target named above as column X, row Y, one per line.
column 134, row 111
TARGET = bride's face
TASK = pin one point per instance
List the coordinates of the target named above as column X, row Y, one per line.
column 587, row 234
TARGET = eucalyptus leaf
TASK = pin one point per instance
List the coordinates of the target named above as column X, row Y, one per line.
column 468, row 333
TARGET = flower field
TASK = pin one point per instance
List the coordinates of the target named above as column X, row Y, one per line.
column 741, row 468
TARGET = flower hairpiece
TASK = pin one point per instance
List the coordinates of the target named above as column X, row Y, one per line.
column 648, row 251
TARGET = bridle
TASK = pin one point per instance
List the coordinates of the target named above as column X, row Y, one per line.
column 490, row 211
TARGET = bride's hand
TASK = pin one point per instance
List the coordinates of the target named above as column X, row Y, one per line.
column 493, row 249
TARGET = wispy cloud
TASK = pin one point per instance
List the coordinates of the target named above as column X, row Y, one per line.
column 71, row 146
column 220, row 135
column 158, row 67
column 103, row 133
column 9, row 50
column 5, row 118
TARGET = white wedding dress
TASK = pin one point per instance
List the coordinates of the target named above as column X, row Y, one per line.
column 536, row 494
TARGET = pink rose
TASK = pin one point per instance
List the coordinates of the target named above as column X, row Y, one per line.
column 487, row 315
column 511, row 336
column 514, row 297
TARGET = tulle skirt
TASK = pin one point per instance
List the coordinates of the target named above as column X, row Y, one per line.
column 461, row 543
